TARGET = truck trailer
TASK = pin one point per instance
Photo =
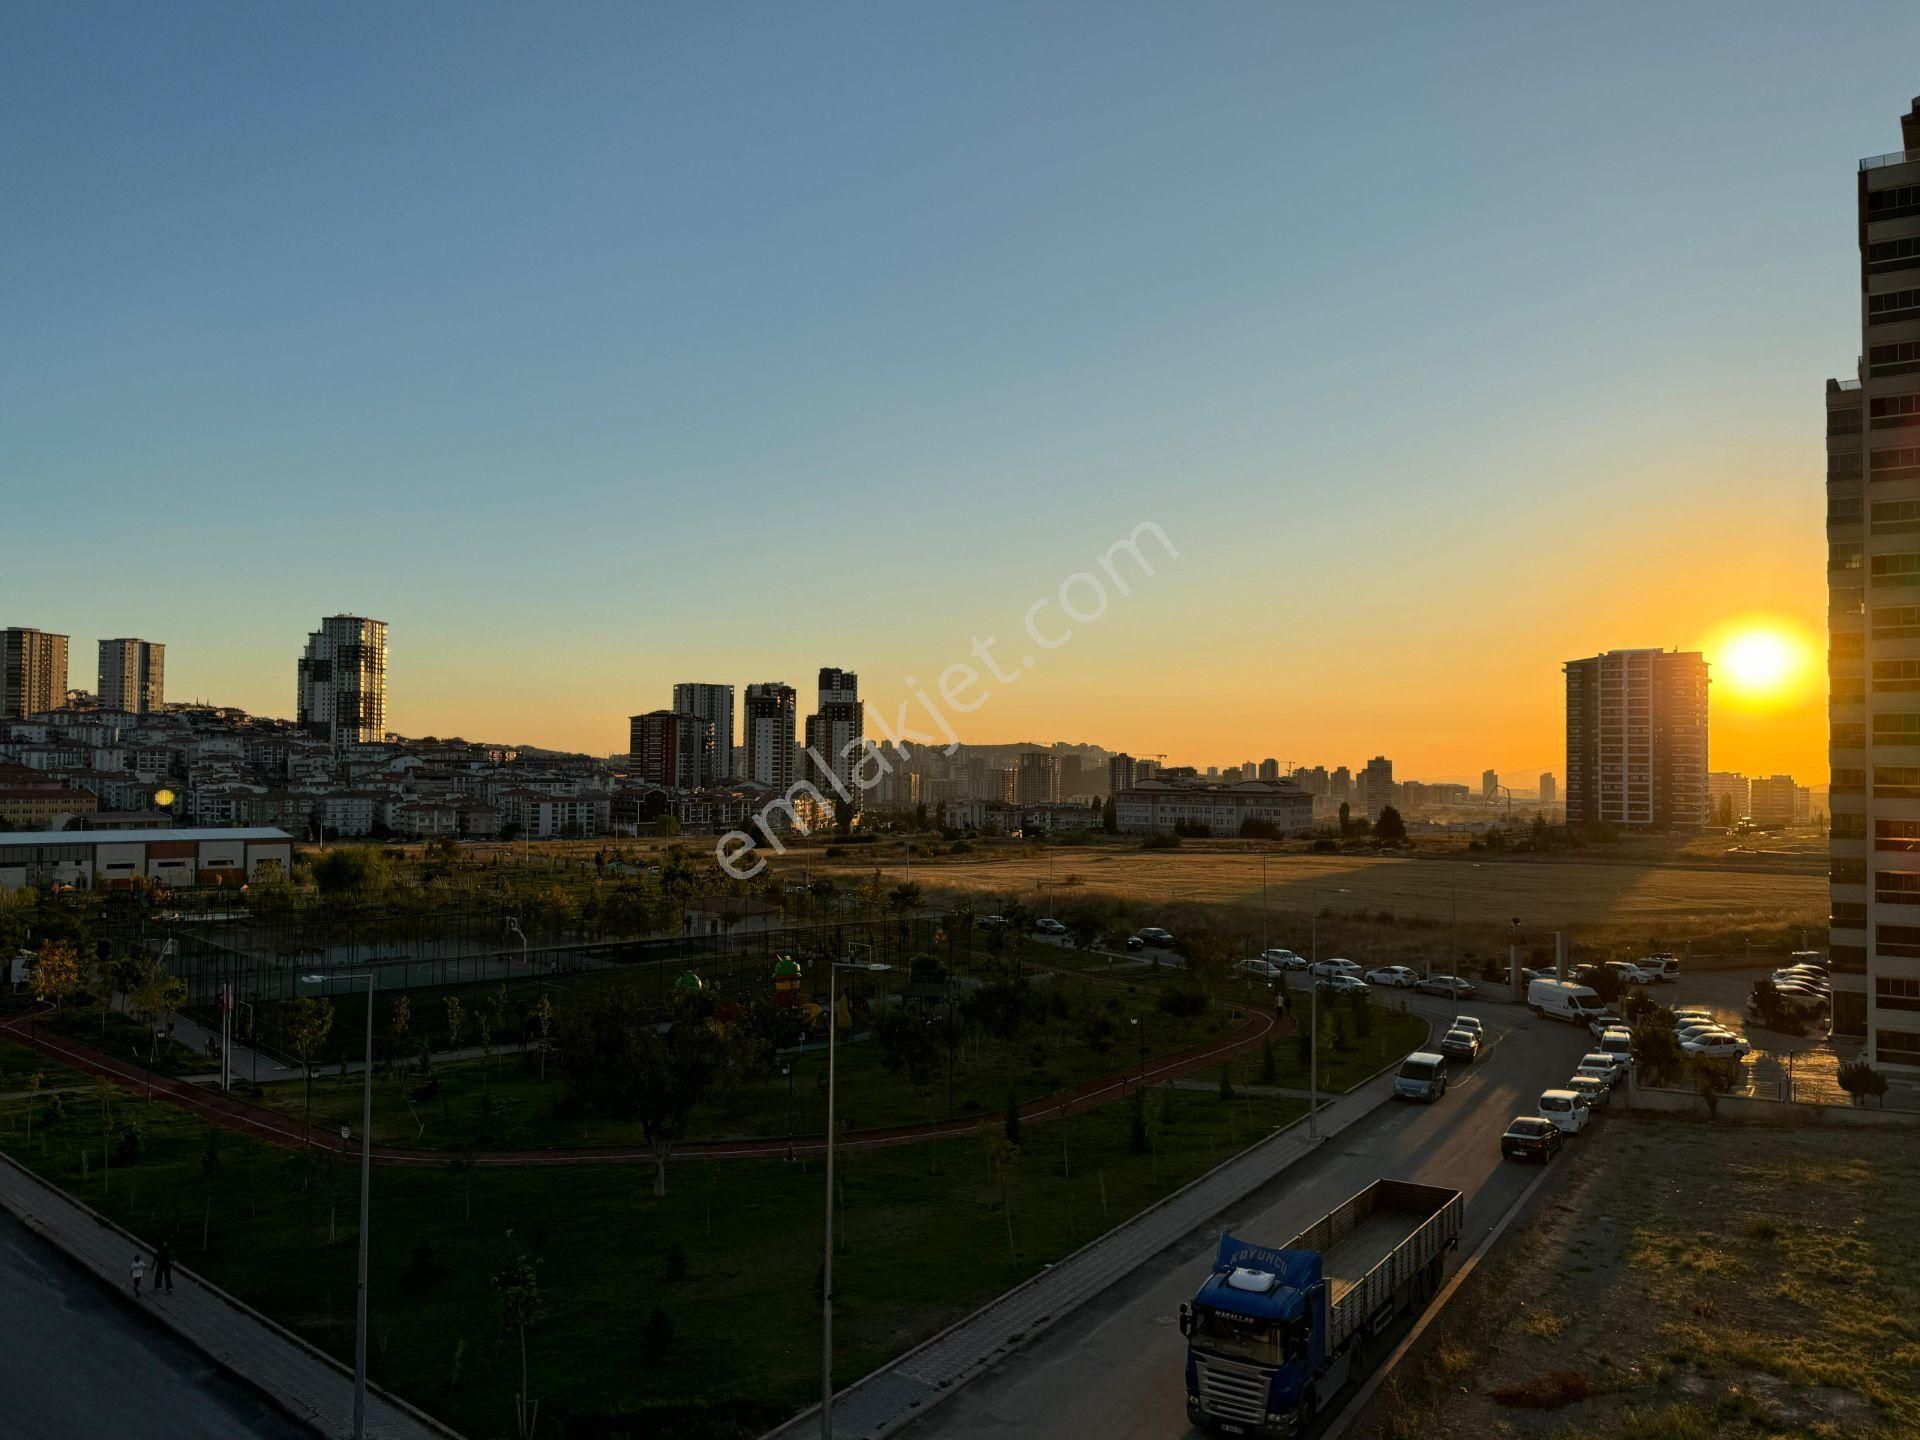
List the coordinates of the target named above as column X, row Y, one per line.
column 1272, row 1333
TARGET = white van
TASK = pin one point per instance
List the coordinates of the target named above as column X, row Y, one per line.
column 1618, row 1044
column 1563, row 1000
column 1566, row 1109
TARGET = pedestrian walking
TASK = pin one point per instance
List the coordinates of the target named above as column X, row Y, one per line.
column 163, row 1269
column 138, row 1271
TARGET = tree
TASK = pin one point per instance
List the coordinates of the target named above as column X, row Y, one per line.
column 1110, row 818
column 905, row 1045
column 543, row 1013
column 1714, row 1077
column 398, row 1023
column 357, row 871
column 518, row 1286
column 56, row 971
column 1661, row 1059
column 156, row 993
column 1856, row 1077
column 456, row 1021
column 304, row 1024
column 1390, row 829
column 1346, row 817
column 620, row 1064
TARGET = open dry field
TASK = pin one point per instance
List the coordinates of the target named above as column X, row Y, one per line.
column 1763, row 1289
column 1697, row 891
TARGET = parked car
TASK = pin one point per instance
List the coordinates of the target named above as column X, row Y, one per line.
column 1530, row 1137
column 993, row 922
column 1451, row 986
column 1473, row 1023
column 1661, row 966
column 1422, row 1076
column 1134, row 942
column 1810, row 957
column 1326, row 968
column 1723, row 1045
column 1343, row 985
column 1398, row 976
column 1598, row 1092
column 1563, row 1000
column 1155, row 936
column 1684, row 1033
column 1629, row 973
column 1606, row 1020
column 1049, row 926
column 1614, row 1065
column 1691, row 1012
column 1566, row 1109
column 1460, row 1045
column 1260, row 969
column 1285, row 959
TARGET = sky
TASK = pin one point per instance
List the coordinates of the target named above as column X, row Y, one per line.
column 595, row 347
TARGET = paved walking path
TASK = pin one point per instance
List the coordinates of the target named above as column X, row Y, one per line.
column 298, row 1378
column 900, row 1392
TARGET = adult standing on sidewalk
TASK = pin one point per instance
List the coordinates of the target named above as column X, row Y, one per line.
column 163, row 1268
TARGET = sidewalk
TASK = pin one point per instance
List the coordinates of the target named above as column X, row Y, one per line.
column 296, row 1377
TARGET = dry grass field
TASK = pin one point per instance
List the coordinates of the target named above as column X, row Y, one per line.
column 1698, row 892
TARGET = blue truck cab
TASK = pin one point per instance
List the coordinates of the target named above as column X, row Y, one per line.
column 1272, row 1331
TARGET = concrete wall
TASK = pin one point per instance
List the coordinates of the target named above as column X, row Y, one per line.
column 1775, row 1112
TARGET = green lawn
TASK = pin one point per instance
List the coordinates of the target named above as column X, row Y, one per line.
column 505, row 1104
column 926, row 1239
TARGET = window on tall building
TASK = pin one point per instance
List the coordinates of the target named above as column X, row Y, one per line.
column 1849, row 782
column 1847, row 871
column 1845, row 555
column 1847, row 827
column 1896, row 675
column 1847, row 915
column 1843, row 422
column 1847, row 690
column 1893, row 202
column 1897, row 992
column 1896, row 622
column 1893, row 412
column 1894, row 305
column 1843, row 509
column 1847, row 735
column 1901, row 569
column 1902, row 728
column 1897, row 463
column 1900, row 358
column 1886, row 255
column 1846, row 645
column 1895, row 517
column 1895, row 834
column 1893, row 782
column 1897, row 1047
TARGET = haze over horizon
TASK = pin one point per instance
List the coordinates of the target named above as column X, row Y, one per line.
column 652, row 345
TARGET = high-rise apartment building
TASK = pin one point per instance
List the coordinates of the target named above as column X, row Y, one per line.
column 1772, row 799
column 1270, row 769
column 1729, row 797
column 834, row 733
column 1376, row 786
column 670, row 749
column 1039, row 778
column 343, row 681
column 1340, row 784
column 1489, row 784
column 1549, row 791
column 712, row 703
column 33, row 672
column 1119, row 773
column 1873, row 616
column 133, row 676
column 1637, row 739
column 769, row 720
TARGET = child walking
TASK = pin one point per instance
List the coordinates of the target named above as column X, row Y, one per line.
column 138, row 1271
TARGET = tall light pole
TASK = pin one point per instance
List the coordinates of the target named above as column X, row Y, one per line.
column 826, row 1264
column 366, row 1182
column 513, row 928
column 1313, row 1038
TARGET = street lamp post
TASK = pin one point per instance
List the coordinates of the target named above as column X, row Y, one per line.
column 513, row 928
column 366, row 1181
column 826, row 1265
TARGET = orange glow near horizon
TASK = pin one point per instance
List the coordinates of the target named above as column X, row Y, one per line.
column 1763, row 664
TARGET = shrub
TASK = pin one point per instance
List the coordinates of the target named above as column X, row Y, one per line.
column 1161, row 842
column 1856, row 1077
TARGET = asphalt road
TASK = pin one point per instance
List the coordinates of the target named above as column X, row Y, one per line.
column 76, row 1362
column 1114, row 1368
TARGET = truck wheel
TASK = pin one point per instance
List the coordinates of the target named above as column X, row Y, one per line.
column 1538, row 1013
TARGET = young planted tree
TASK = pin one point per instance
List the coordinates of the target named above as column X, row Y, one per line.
column 155, row 995
column 1714, row 1077
column 456, row 1022
column 518, row 1286
column 305, row 1023
column 543, row 1013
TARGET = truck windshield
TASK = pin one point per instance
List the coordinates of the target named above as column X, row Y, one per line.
column 1238, row 1336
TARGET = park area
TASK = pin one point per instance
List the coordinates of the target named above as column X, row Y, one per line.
column 693, row 1313
column 1677, row 1279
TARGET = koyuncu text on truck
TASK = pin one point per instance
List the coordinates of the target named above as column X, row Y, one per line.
column 1271, row 1335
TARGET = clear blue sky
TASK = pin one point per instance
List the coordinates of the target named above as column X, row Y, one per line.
column 600, row 346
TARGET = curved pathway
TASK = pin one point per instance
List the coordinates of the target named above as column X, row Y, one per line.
column 261, row 1123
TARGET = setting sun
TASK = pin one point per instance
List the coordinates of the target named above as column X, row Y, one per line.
column 1761, row 662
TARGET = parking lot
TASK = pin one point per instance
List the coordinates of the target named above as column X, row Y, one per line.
column 1780, row 1067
